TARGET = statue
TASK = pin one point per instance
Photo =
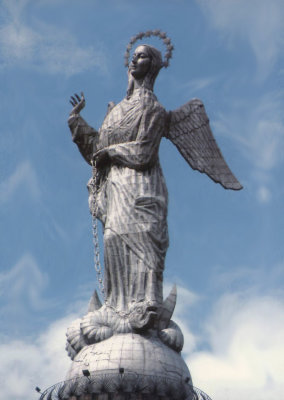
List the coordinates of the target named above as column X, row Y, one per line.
column 128, row 194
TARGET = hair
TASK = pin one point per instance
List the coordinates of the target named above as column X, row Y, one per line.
column 156, row 65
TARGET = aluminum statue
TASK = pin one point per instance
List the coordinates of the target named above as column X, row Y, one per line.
column 128, row 194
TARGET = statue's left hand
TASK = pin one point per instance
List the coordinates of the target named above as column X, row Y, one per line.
column 78, row 103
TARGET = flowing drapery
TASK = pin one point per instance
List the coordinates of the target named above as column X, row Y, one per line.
column 131, row 198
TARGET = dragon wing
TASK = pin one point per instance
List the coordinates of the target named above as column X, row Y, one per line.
column 190, row 132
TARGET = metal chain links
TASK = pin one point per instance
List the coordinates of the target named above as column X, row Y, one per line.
column 94, row 210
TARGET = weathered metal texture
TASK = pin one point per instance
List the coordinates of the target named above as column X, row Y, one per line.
column 102, row 322
column 132, row 200
column 138, row 355
column 131, row 194
column 133, row 328
column 82, row 390
column 190, row 131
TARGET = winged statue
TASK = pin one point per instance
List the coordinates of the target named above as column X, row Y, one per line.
column 128, row 194
column 190, row 131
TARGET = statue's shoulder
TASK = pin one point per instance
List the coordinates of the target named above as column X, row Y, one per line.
column 151, row 101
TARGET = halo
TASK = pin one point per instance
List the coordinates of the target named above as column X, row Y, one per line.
column 160, row 35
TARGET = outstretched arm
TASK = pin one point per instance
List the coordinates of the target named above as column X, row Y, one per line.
column 83, row 135
column 78, row 104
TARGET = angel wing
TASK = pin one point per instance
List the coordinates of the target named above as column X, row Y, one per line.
column 189, row 130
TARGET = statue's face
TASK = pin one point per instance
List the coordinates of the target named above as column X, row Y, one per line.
column 141, row 62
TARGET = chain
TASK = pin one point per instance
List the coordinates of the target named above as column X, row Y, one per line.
column 94, row 211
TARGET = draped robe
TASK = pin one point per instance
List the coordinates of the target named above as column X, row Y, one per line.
column 131, row 197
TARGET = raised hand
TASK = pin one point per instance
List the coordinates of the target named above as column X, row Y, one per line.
column 78, row 103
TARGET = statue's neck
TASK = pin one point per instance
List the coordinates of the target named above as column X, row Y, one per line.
column 142, row 83
column 134, row 84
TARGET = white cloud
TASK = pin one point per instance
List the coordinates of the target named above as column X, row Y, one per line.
column 246, row 353
column 39, row 359
column 43, row 47
column 260, row 22
column 28, row 363
column 23, row 176
column 245, row 356
column 185, row 301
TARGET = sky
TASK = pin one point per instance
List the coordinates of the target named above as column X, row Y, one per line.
column 226, row 250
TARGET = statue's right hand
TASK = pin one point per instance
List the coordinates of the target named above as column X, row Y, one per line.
column 78, row 103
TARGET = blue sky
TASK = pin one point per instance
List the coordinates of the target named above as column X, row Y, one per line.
column 226, row 248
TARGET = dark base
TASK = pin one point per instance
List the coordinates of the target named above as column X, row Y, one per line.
column 192, row 393
column 195, row 395
column 116, row 396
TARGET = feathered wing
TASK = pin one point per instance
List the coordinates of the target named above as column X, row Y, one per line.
column 190, row 132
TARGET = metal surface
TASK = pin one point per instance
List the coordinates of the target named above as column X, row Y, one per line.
column 123, row 383
column 130, row 192
column 128, row 195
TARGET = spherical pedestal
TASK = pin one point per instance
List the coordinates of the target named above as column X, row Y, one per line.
column 128, row 365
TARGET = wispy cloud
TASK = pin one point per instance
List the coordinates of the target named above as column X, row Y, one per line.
column 246, row 349
column 23, row 176
column 264, row 194
column 250, row 280
column 265, row 138
column 21, row 287
column 259, row 22
column 260, row 135
column 196, row 85
column 43, row 47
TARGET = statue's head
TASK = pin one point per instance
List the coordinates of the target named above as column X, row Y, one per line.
column 145, row 66
column 146, row 60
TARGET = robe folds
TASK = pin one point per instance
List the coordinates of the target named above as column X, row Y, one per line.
column 131, row 197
